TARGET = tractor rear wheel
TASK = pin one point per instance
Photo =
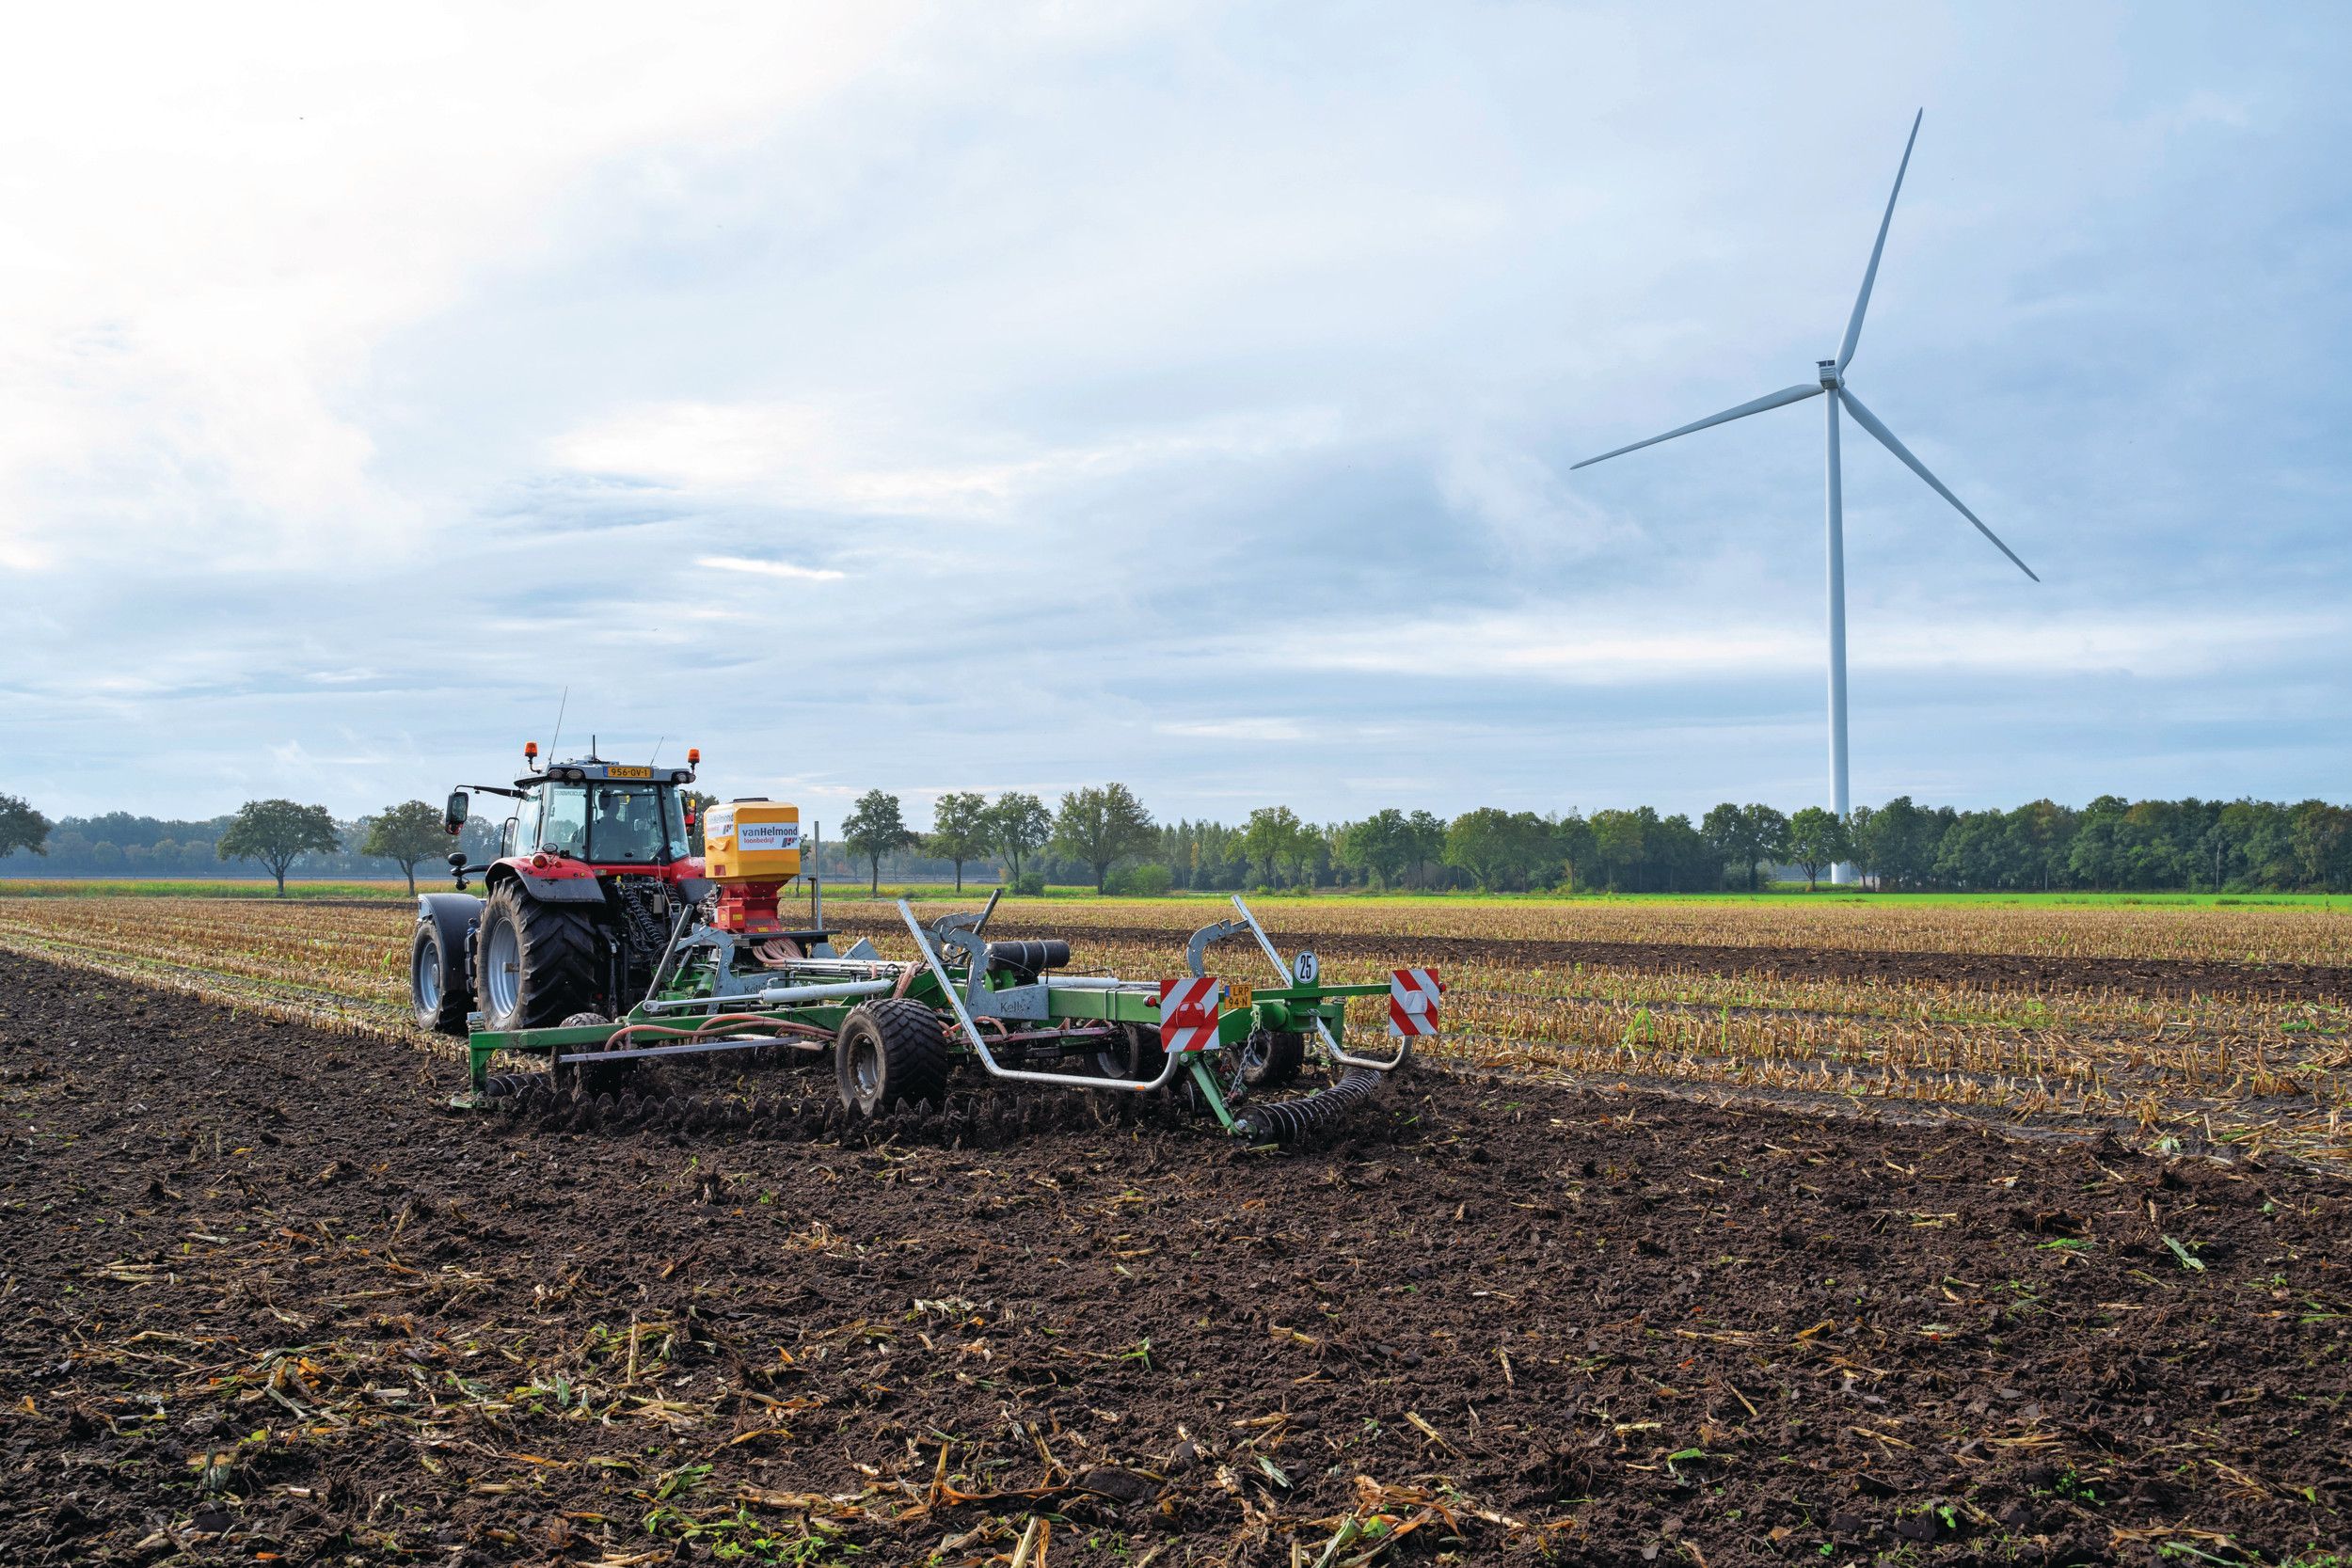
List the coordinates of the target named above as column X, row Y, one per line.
column 891, row 1053
column 534, row 962
column 439, row 994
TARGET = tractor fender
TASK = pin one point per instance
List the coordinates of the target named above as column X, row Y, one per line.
column 451, row 915
column 573, row 885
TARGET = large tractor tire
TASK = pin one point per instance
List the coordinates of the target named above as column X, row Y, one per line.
column 891, row 1053
column 440, row 991
column 535, row 963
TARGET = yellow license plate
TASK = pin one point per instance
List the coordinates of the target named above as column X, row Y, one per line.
column 1238, row 995
column 619, row 772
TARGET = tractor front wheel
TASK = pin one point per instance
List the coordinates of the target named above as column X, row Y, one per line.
column 535, row 963
column 439, row 993
column 891, row 1053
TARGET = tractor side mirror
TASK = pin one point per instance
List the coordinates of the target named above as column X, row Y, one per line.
column 453, row 814
column 456, row 857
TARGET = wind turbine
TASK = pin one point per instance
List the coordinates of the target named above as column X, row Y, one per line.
column 1830, row 377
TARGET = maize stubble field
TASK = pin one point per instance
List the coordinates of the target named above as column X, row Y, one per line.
column 1718, row 1234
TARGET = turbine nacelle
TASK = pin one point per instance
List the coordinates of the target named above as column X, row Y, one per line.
column 1828, row 369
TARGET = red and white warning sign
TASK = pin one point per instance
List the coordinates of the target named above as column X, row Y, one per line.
column 1413, row 1002
column 1189, row 1013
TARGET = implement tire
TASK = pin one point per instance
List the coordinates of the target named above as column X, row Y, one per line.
column 1272, row 1061
column 888, row 1053
column 440, row 992
column 535, row 963
column 1133, row 1054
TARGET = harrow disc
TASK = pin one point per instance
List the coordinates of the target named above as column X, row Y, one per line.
column 594, row 1079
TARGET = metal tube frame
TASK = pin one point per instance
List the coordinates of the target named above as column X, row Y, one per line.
column 1330, row 1046
column 733, row 1042
column 979, row 1046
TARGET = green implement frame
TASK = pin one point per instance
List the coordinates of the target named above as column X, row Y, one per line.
column 712, row 993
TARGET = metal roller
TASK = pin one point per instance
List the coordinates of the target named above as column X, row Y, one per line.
column 1287, row 1119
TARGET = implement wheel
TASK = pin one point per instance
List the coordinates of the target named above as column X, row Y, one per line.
column 438, row 990
column 1135, row 1053
column 890, row 1053
column 1270, row 1061
column 535, row 963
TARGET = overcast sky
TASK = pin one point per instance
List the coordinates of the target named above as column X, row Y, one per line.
column 1182, row 394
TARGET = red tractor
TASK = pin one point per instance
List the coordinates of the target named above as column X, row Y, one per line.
column 593, row 872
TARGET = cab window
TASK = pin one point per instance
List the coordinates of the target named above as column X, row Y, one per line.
column 522, row 829
column 627, row 826
column 565, row 830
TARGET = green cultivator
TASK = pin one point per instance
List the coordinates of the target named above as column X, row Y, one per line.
column 899, row 1032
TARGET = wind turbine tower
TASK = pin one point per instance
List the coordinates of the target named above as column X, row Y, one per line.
column 1830, row 379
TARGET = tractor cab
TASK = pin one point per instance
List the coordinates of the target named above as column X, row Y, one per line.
column 604, row 816
column 609, row 816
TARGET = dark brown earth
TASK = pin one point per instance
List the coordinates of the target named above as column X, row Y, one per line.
column 263, row 1296
column 2020, row 972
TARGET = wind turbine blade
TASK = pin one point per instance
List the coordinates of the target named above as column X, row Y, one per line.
column 1771, row 400
column 1870, row 273
column 1869, row 421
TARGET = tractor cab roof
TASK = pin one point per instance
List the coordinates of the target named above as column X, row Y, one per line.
column 597, row 770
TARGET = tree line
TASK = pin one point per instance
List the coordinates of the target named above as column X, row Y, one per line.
column 1104, row 837
column 277, row 835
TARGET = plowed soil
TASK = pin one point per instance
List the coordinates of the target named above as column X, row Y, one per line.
column 264, row 1297
column 2020, row 972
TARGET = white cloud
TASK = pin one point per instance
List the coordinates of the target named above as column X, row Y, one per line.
column 849, row 456
column 1518, row 498
column 1575, row 648
column 736, row 563
column 209, row 232
column 1236, row 729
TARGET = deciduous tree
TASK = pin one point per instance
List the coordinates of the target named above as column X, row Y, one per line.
column 405, row 834
column 1019, row 826
column 1497, row 848
column 277, row 833
column 1275, row 838
column 1817, row 839
column 1381, row 846
column 959, row 829
column 22, row 827
column 876, row 827
column 1102, row 825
